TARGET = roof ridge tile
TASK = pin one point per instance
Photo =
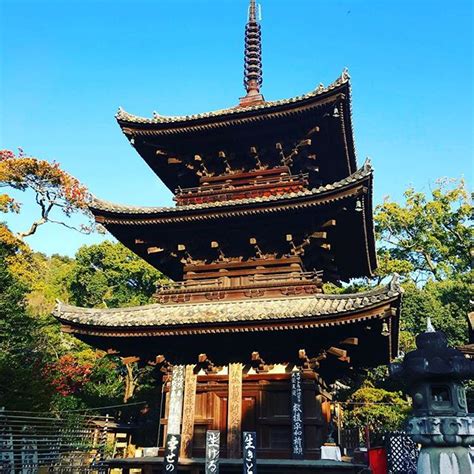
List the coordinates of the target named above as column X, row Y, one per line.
column 190, row 314
column 125, row 116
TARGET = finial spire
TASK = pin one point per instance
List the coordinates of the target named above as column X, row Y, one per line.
column 253, row 59
column 252, row 11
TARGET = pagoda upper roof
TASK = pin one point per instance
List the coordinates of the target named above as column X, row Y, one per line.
column 273, row 130
column 260, row 110
column 326, row 193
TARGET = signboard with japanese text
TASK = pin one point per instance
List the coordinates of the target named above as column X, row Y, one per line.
column 249, row 450
column 176, row 400
column 171, row 457
column 297, row 416
column 212, row 451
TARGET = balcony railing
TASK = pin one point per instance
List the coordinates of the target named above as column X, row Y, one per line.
column 233, row 189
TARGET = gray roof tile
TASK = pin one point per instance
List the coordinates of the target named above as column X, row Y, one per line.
column 124, row 116
column 255, row 310
column 106, row 206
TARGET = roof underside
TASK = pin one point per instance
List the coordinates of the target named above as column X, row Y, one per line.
column 169, row 144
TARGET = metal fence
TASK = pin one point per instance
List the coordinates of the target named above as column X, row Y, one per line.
column 70, row 443
column 402, row 454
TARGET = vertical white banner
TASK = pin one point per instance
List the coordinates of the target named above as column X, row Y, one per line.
column 176, row 400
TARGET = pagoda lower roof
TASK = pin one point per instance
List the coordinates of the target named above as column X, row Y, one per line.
column 320, row 310
column 327, row 193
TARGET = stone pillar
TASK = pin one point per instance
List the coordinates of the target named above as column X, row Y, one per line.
column 440, row 422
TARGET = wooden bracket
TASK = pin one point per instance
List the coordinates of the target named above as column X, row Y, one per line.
column 151, row 250
column 254, row 154
column 329, row 223
column 350, row 341
column 258, row 250
column 257, row 363
column 309, row 363
column 223, row 157
column 205, row 364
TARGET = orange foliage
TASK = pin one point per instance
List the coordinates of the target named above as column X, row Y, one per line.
column 52, row 186
column 68, row 375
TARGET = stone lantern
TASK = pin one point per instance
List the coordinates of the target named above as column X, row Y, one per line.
column 433, row 374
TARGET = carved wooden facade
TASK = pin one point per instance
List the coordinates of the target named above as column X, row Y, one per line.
column 270, row 205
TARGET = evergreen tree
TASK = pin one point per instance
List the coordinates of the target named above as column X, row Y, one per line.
column 21, row 383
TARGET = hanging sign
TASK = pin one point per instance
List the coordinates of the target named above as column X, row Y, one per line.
column 249, row 448
column 212, row 451
column 297, row 424
column 171, row 457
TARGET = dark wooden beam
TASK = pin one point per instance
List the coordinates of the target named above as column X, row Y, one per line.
column 151, row 250
column 329, row 223
column 351, row 341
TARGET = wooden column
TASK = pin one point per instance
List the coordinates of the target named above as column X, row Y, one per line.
column 234, row 418
column 187, row 431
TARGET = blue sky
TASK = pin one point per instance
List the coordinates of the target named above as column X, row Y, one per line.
column 66, row 66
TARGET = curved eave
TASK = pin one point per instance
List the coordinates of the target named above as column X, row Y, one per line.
column 185, row 123
column 127, row 223
column 108, row 212
column 257, row 315
column 206, row 134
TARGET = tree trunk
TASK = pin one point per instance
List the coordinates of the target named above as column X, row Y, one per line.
column 129, row 383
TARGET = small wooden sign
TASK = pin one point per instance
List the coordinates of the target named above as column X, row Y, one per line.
column 171, row 457
column 297, row 416
column 249, row 450
column 176, row 400
column 212, row 451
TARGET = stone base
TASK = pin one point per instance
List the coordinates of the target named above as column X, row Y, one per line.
column 445, row 460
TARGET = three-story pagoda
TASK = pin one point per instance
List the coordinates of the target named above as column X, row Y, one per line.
column 270, row 205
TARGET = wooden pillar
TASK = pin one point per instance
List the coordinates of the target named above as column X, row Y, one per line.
column 187, row 432
column 234, row 418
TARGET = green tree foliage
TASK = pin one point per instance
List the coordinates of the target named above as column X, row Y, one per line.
column 427, row 240
column 51, row 282
column 105, row 385
column 21, row 384
column 427, row 237
column 110, row 275
column 446, row 302
column 380, row 409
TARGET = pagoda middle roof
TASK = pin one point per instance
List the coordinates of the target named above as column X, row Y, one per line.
column 162, row 226
column 99, row 206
